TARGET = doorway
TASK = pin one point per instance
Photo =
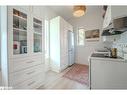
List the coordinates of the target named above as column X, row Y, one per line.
column 70, row 48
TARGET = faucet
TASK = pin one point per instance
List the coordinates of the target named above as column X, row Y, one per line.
column 109, row 49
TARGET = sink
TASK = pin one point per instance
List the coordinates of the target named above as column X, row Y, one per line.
column 100, row 55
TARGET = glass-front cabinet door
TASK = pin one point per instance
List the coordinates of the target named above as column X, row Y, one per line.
column 19, row 32
column 37, row 35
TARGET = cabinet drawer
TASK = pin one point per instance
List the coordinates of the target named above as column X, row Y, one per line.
column 20, row 64
column 33, row 83
column 20, row 76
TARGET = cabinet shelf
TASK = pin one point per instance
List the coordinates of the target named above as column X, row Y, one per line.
column 19, row 17
column 37, row 33
column 17, row 29
column 37, row 24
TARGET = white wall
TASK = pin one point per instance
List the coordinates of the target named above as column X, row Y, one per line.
column 91, row 20
column 3, row 39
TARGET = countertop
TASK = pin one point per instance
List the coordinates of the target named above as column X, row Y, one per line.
column 102, row 57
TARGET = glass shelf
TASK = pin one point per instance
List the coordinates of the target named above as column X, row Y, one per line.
column 37, row 21
column 16, row 16
column 20, row 29
column 37, row 24
column 38, row 33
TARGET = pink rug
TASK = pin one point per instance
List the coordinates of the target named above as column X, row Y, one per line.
column 78, row 73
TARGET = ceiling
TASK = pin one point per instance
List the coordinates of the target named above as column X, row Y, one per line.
column 67, row 11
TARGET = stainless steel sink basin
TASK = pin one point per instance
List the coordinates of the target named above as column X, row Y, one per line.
column 100, row 55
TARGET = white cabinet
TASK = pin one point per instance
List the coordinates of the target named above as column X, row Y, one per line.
column 107, row 18
column 59, row 43
column 114, row 12
column 106, row 74
column 25, row 47
column 118, row 11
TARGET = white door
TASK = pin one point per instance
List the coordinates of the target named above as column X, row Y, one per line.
column 70, row 47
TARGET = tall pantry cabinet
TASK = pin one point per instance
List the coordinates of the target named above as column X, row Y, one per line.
column 59, row 43
column 25, row 48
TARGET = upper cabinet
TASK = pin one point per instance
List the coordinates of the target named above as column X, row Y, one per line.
column 118, row 11
column 110, row 26
column 113, row 12
column 107, row 17
column 25, row 32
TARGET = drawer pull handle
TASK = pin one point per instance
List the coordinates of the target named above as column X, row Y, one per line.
column 30, row 72
column 31, row 83
column 30, row 61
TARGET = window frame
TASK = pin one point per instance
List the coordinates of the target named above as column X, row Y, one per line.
column 78, row 42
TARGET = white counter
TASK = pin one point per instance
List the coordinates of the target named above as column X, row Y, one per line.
column 109, row 59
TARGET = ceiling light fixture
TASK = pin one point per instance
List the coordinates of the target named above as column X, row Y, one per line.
column 79, row 10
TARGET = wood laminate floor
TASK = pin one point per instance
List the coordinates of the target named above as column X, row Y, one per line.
column 57, row 81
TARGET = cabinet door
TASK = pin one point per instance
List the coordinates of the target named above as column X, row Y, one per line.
column 64, row 37
column 37, row 35
column 118, row 11
column 18, row 32
column 64, row 43
column 98, row 74
column 107, row 18
column 108, row 74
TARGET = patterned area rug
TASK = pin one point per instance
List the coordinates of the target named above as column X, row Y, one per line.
column 78, row 73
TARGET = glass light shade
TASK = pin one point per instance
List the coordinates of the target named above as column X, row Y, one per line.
column 79, row 11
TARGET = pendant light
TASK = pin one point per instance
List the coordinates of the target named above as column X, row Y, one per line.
column 79, row 10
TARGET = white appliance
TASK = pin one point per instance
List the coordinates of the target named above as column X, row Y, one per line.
column 70, row 48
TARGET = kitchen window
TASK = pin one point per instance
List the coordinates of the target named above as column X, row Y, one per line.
column 81, row 37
